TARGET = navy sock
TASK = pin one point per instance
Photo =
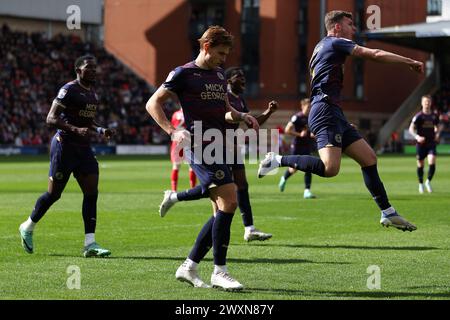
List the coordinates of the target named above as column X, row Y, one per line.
column 431, row 171
column 420, row 174
column 308, row 180
column 203, row 243
column 305, row 164
column 375, row 186
column 245, row 207
column 221, row 236
column 287, row 174
column 192, row 194
column 90, row 212
column 43, row 203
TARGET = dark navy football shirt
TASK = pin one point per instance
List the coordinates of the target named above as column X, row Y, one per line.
column 327, row 68
column 300, row 122
column 425, row 124
column 201, row 94
column 238, row 103
column 80, row 107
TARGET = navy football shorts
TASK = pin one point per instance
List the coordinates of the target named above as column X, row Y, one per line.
column 422, row 151
column 331, row 128
column 66, row 158
column 209, row 175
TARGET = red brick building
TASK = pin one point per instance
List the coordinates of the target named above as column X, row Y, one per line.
column 274, row 41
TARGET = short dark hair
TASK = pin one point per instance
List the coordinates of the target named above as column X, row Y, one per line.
column 80, row 60
column 427, row 96
column 216, row 36
column 336, row 16
column 230, row 72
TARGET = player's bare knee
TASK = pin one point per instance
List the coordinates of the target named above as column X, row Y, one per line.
column 331, row 168
column 371, row 159
column 231, row 206
column 331, row 171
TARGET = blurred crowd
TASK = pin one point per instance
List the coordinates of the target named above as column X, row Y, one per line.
column 441, row 102
column 33, row 68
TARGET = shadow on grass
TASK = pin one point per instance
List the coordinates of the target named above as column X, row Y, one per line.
column 235, row 260
column 352, row 294
column 325, row 246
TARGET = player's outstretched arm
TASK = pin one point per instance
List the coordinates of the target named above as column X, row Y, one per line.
column 154, row 107
column 387, row 57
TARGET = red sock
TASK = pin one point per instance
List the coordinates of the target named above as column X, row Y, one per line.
column 192, row 178
column 174, row 179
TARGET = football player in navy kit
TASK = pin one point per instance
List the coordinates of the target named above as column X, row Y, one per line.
column 201, row 88
column 236, row 87
column 334, row 134
column 72, row 113
column 424, row 128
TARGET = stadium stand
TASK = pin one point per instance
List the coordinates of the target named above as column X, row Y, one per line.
column 33, row 68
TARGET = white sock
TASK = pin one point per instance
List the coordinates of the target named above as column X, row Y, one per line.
column 89, row 238
column 388, row 211
column 307, row 190
column 278, row 159
column 191, row 265
column 249, row 228
column 173, row 197
column 28, row 225
column 218, row 269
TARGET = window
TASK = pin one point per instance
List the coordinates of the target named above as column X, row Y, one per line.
column 434, row 8
column 250, row 45
column 359, row 18
column 358, row 64
column 358, row 72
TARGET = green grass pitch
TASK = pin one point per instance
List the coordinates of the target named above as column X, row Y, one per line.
column 321, row 248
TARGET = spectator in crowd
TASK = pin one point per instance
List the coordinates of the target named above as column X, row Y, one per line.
column 32, row 68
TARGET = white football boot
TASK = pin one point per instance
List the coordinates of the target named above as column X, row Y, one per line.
column 397, row 221
column 167, row 203
column 268, row 164
column 223, row 280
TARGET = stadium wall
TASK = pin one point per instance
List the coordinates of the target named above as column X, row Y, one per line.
column 48, row 27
